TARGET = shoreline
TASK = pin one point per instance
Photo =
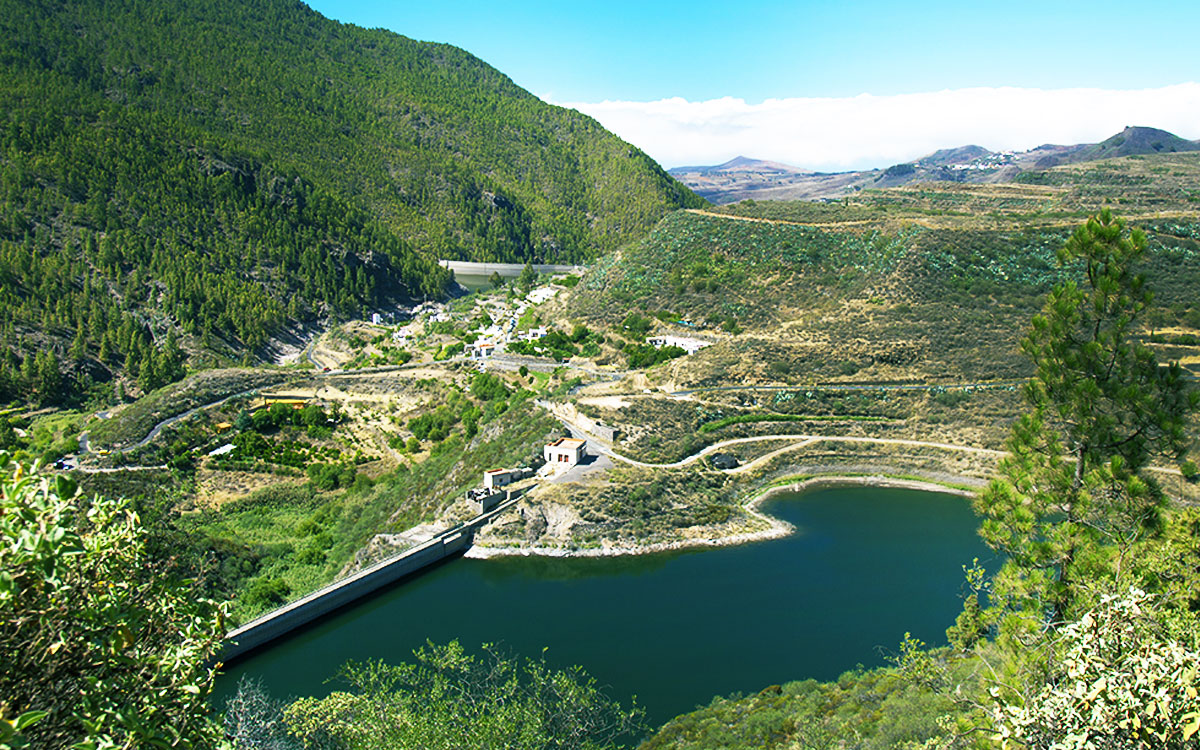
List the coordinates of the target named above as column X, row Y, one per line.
column 776, row 528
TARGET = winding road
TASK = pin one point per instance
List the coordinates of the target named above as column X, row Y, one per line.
column 798, row 441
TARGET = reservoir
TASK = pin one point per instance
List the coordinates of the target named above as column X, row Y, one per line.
column 474, row 282
column 864, row 566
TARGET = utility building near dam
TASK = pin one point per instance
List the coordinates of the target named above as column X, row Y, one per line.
column 564, row 453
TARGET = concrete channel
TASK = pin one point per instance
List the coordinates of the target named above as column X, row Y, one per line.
column 290, row 617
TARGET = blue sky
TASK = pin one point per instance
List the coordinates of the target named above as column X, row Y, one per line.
column 584, row 53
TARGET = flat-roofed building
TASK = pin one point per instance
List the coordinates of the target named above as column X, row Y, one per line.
column 494, row 479
column 564, row 452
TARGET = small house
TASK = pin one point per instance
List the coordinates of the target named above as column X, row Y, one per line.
column 494, row 479
column 483, row 349
column 564, row 452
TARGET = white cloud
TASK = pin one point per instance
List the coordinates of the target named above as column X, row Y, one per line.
column 870, row 131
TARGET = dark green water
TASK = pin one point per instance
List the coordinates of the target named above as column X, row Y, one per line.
column 475, row 282
column 866, row 565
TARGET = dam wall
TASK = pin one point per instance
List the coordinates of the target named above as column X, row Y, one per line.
column 277, row 623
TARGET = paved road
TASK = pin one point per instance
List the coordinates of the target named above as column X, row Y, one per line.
column 158, row 428
column 155, row 431
column 308, row 352
column 798, row 441
column 116, row 469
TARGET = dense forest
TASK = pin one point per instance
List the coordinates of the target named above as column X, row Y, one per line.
column 222, row 170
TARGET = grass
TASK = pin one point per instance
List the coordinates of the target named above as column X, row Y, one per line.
column 749, row 418
column 933, row 282
column 48, row 437
column 305, row 539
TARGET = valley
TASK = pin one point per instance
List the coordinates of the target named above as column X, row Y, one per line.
column 827, row 351
column 515, row 439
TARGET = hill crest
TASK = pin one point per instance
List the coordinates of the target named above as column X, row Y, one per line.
column 724, row 184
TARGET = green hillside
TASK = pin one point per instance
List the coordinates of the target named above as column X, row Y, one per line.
column 930, row 281
column 1135, row 140
column 222, row 170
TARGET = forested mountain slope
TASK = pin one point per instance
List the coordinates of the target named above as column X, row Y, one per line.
column 222, row 168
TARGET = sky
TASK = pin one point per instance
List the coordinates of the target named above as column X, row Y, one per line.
column 832, row 84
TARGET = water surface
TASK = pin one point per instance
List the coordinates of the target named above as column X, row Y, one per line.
column 865, row 566
column 473, row 282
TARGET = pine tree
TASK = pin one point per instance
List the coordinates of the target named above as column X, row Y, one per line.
column 79, row 346
column 1074, row 495
column 48, row 382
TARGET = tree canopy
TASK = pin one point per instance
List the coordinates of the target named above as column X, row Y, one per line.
column 449, row 699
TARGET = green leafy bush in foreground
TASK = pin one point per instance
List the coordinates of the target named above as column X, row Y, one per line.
column 449, row 699
column 95, row 632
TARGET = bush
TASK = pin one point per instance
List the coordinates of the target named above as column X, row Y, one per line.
column 1116, row 682
column 94, row 627
column 645, row 355
column 951, row 399
column 330, row 476
column 636, row 325
column 488, row 387
column 266, row 592
column 451, row 699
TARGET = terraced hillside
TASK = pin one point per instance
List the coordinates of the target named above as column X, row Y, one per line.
column 932, row 282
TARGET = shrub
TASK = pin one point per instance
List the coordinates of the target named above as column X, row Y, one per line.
column 266, row 592
column 93, row 627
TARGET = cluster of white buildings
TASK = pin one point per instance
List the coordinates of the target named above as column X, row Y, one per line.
column 688, row 344
column 984, row 163
column 493, row 338
column 560, row 455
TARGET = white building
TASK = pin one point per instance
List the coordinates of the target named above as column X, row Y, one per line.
column 494, row 479
column 483, row 349
column 689, row 345
column 564, row 452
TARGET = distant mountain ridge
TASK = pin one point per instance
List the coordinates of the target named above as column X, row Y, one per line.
column 742, row 178
column 743, row 164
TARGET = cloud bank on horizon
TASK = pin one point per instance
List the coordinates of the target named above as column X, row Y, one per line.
column 832, row 134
